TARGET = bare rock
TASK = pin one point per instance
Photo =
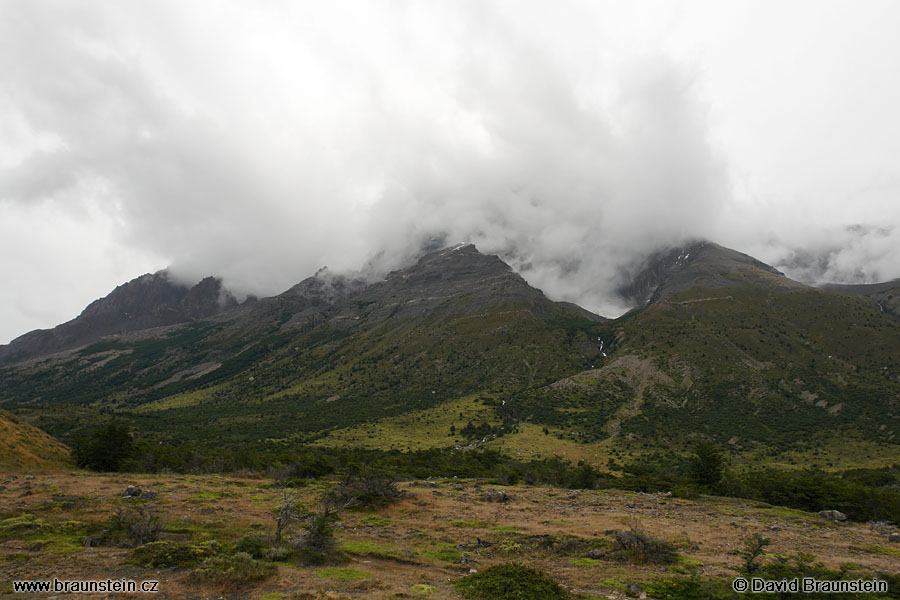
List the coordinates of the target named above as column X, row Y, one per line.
column 495, row 496
column 833, row 515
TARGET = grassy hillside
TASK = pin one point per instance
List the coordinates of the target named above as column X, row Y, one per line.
column 793, row 372
column 27, row 448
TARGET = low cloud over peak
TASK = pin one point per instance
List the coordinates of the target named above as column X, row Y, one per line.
column 260, row 143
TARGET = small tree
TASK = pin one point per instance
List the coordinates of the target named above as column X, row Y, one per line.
column 288, row 513
column 707, row 464
column 106, row 449
column 751, row 552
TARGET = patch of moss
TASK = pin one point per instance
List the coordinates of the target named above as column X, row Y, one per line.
column 446, row 553
column 422, row 589
column 367, row 548
column 584, row 562
column 16, row 557
column 883, row 550
column 26, row 523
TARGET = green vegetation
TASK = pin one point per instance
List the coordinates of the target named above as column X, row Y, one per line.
column 173, row 554
column 639, row 547
column 707, row 464
column 510, row 582
column 233, row 571
column 691, row 588
column 106, row 449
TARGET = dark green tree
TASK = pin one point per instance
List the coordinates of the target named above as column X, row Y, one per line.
column 707, row 464
column 106, row 449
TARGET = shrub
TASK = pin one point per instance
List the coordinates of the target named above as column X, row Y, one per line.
column 689, row 588
column 288, row 513
column 254, row 545
column 364, row 490
column 752, row 551
column 317, row 544
column 173, row 554
column 298, row 472
column 232, row 571
column 637, row 546
column 277, row 554
column 134, row 527
column 510, row 582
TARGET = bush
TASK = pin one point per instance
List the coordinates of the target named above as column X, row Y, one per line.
column 690, row 588
column 298, row 472
column 254, row 545
column 510, row 582
column 173, row 554
column 135, row 527
column 364, row 490
column 636, row 546
column 233, row 571
column 317, row 544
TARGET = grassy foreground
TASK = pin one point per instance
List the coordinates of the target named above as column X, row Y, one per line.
column 422, row 545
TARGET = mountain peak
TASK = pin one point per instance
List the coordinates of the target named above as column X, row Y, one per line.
column 697, row 263
column 150, row 300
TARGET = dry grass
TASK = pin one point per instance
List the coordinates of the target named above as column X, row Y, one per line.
column 25, row 446
column 413, row 546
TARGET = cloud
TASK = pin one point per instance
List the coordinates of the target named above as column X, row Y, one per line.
column 261, row 142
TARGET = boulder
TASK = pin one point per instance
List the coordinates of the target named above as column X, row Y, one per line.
column 495, row 496
column 833, row 515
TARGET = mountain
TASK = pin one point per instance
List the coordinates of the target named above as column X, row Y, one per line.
column 143, row 303
column 885, row 294
column 726, row 347
column 458, row 349
column 696, row 264
column 329, row 352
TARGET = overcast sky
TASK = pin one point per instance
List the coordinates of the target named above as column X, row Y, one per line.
column 260, row 141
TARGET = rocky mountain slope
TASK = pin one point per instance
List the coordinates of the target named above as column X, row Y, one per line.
column 696, row 264
column 143, row 303
column 464, row 351
column 329, row 352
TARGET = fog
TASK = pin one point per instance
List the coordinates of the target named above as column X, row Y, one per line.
column 262, row 142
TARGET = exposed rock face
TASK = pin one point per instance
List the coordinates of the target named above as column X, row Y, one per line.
column 457, row 279
column 143, row 303
column 696, row 264
column 451, row 281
